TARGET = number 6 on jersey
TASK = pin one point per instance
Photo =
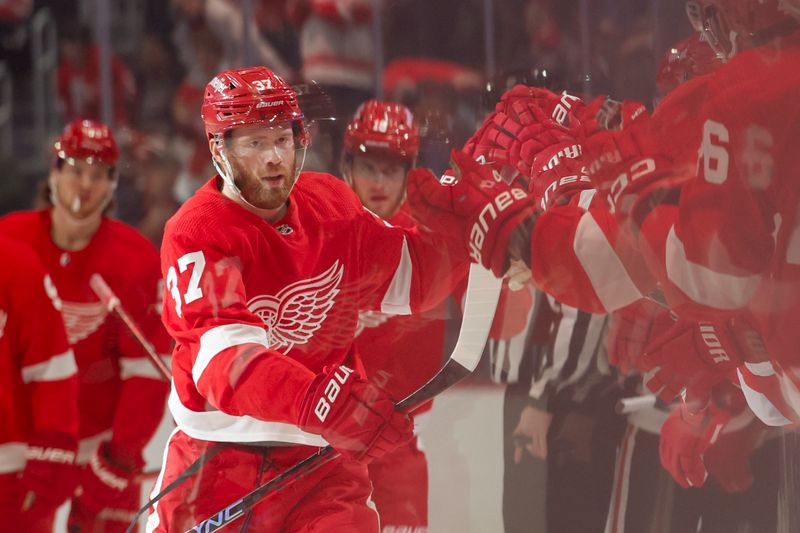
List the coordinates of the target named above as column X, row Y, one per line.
column 193, row 291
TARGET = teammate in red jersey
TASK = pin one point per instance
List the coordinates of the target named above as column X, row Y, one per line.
column 38, row 397
column 380, row 147
column 726, row 249
column 122, row 397
column 266, row 269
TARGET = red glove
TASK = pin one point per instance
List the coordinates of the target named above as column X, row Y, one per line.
column 490, row 209
column 103, row 480
column 50, row 475
column 521, row 126
column 631, row 328
column 623, row 158
column 557, row 174
column 423, row 192
column 355, row 416
column 685, row 437
column 728, row 459
column 524, row 105
column 692, row 356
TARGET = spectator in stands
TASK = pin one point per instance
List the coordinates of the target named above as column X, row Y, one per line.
column 225, row 21
column 336, row 48
column 157, row 79
column 78, row 78
column 192, row 141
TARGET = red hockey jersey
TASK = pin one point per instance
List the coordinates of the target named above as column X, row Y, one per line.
column 39, row 393
column 732, row 245
column 580, row 257
column 402, row 353
column 122, row 396
column 258, row 309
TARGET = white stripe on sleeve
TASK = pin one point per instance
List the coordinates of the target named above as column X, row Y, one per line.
column 56, row 368
column 221, row 427
column 703, row 285
column 220, row 338
column 608, row 276
column 397, row 300
column 763, row 408
column 139, row 367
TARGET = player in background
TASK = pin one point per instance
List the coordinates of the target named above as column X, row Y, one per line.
column 39, row 398
column 121, row 395
column 381, row 143
column 266, row 269
column 736, row 258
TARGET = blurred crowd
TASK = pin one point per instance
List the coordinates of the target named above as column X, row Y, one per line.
column 158, row 82
column 593, row 363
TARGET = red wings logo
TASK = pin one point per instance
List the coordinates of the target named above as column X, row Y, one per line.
column 82, row 319
column 294, row 314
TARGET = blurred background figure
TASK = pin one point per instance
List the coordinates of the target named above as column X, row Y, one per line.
column 79, row 79
column 122, row 398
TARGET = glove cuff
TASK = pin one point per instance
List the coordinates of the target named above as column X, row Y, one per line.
column 111, row 475
column 325, row 394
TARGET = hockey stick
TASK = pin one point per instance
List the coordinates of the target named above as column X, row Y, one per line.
column 483, row 292
column 107, row 296
column 626, row 406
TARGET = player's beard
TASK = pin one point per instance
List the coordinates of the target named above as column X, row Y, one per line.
column 258, row 193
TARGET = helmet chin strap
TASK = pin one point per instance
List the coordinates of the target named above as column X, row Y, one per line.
column 226, row 173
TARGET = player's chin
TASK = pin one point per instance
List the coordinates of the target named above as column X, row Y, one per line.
column 272, row 198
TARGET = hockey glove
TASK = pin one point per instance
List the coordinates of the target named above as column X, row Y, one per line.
column 428, row 206
column 631, row 328
column 103, row 480
column 473, row 194
column 624, row 161
column 493, row 211
column 728, row 459
column 525, row 104
column 685, row 437
column 558, row 173
column 521, row 126
column 50, row 475
column 692, row 356
column 355, row 416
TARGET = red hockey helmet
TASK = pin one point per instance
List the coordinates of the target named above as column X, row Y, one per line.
column 724, row 21
column 384, row 128
column 251, row 96
column 686, row 59
column 89, row 140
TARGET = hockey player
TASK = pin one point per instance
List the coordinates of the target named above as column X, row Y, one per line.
column 401, row 352
column 122, row 397
column 734, row 258
column 266, row 269
column 39, row 399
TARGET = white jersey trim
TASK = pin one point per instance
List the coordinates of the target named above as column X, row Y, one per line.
column 12, row 457
column 87, row 446
column 610, row 280
column 586, row 197
column 762, row 369
column 703, row 285
column 154, row 520
column 220, row 338
column 217, row 426
column 138, row 367
column 397, row 300
column 56, row 368
column 761, row 406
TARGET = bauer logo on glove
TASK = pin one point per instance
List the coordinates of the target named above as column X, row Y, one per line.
column 332, row 390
